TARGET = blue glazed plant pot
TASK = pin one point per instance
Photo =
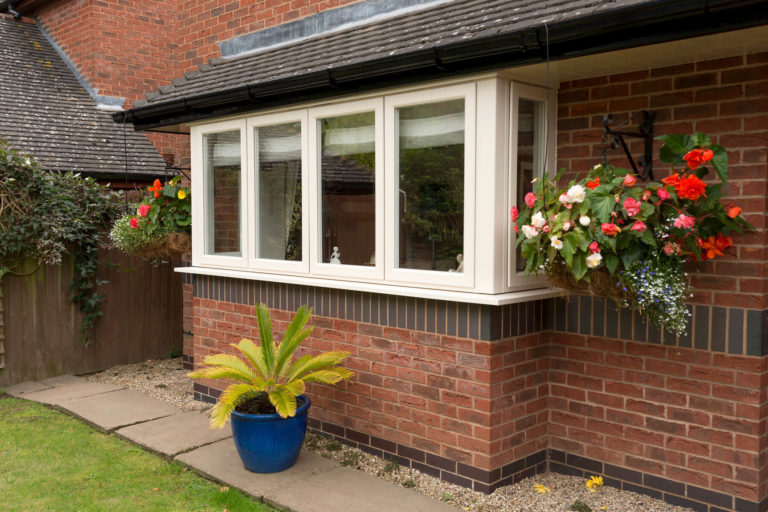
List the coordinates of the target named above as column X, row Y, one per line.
column 268, row 443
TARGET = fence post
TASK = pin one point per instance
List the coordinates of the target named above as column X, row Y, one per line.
column 2, row 328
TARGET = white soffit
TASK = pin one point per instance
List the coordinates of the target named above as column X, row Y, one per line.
column 697, row 49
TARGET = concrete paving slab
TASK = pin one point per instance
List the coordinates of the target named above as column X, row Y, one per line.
column 60, row 394
column 220, row 461
column 121, row 408
column 355, row 491
column 25, row 387
column 62, row 380
column 171, row 435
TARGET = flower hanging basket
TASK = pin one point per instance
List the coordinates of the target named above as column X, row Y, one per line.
column 601, row 282
column 172, row 244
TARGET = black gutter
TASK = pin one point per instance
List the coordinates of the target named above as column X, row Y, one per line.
column 647, row 23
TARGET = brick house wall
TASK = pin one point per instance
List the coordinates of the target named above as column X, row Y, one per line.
column 484, row 396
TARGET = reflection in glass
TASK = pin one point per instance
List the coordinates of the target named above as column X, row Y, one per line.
column 278, row 191
column 529, row 159
column 221, row 168
column 431, row 185
column 348, row 173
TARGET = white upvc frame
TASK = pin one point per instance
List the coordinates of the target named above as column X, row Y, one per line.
column 393, row 273
column 517, row 280
column 265, row 264
column 316, row 265
column 201, row 202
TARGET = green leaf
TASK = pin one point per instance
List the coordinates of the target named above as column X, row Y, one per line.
column 700, row 140
column 720, row 162
column 675, row 146
column 611, row 263
column 648, row 238
column 579, row 267
column 602, row 203
column 569, row 248
column 631, row 255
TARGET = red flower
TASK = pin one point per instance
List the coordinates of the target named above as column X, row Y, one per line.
column 156, row 187
column 734, row 212
column 691, row 187
column 593, row 184
column 632, row 206
column 629, row 180
column 144, row 210
column 662, row 193
column 638, row 226
column 593, row 247
column 694, row 158
column 134, row 223
column 514, row 213
column 610, row 229
column 707, row 155
column 671, row 180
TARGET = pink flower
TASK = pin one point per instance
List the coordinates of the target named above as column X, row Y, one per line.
column 629, row 180
column 671, row 248
column 144, row 209
column 685, row 222
column 134, row 223
column 646, row 195
column 545, row 229
column 638, row 226
column 530, row 199
column 662, row 193
column 593, row 247
column 514, row 212
column 632, row 206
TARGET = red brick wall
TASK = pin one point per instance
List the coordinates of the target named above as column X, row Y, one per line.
column 725, row 98
column 691, row 416
column 480, row 403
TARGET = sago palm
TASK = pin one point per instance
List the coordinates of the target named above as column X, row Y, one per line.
column 272, row 370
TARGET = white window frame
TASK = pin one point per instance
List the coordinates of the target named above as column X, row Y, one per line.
column 393, row 273
column 265, row 264
column 515, row 279
column 200, row 197
column 316, row 266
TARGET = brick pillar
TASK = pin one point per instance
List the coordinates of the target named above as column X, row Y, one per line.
column 187, row 312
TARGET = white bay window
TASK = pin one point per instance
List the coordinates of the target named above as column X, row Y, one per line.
column 408, row 190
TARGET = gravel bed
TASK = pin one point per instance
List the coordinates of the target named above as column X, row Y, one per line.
column 166, row 380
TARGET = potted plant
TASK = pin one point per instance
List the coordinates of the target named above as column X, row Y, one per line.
column 266, row 403
column 160, row 226
column 610, row 234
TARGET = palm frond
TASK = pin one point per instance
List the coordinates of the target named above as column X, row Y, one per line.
column 267, row 341
column 228, row 361
column 294, row 335
column 254, row 355
column 221, row 372
column 296, row 387
column 330, row 376
column 230, row 398
column 319, row 362
column 284, row 402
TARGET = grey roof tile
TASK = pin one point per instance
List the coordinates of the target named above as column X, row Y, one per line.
column 45, row 112
column 456, row 21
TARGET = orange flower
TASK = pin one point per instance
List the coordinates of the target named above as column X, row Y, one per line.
column 593, row 184
column 695, row 158
column 714, row 246
column 734, row 212
column 671, row 180
column 690, row 187
column 156, row 187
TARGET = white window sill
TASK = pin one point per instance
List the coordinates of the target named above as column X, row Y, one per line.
column 499, row 299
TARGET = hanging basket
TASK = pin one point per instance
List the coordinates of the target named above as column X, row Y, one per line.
column 172, row 244
column 601, row 282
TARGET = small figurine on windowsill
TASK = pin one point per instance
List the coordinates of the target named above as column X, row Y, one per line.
column 460, row 261
column 335, row 256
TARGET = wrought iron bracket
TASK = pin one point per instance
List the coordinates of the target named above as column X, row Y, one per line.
column 614, row 138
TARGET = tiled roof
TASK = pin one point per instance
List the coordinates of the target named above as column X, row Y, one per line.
column 444, row 24
column 45, row 112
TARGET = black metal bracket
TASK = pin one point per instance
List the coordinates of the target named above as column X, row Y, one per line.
column 614, row 138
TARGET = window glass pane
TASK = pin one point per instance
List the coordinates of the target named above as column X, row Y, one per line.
column 529, row 158
column 431, row 186
column 221, row 161
column 278, row 191
column 348, row 165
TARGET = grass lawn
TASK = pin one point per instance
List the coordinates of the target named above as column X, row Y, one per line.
column 52, row 462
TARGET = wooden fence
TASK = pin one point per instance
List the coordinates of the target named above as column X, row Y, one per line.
column 39, row 326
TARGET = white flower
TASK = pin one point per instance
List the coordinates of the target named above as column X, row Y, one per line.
column 556, row 242
column 564, row 198
column 594, row 259
column 567, row 225
column 577, row 194
column 529, row 231
column 538, row 220
column 584, row 220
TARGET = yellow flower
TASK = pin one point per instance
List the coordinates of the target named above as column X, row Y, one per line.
column 181, row 194
column 594, row 483
column 541, row 489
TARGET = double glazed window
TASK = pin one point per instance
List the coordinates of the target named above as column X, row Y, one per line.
column 380, row 190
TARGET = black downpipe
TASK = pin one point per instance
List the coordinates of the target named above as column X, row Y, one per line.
column 16, row 15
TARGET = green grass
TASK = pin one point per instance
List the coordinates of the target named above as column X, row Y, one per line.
column 52, row 462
